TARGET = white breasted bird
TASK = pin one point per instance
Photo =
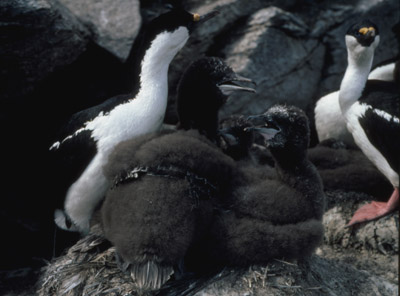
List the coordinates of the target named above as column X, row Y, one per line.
column 91, row 135
column 371, row 109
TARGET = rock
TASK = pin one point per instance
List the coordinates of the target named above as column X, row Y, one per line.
column 380, row 236
column 257, row 53
column 371, row 246
column 38, row 37
column 114, row 24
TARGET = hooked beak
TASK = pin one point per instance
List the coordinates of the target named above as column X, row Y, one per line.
column 229, row 87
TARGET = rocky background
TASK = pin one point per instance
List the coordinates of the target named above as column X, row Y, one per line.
column 60, row 56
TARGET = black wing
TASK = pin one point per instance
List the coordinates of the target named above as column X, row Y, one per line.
column 78, row 119
column 382, row 95
column 383, row 131
column 72, row 152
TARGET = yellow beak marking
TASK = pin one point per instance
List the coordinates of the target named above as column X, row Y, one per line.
column 365, row 30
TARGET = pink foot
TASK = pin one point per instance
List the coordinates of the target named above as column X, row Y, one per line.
column 376, row 210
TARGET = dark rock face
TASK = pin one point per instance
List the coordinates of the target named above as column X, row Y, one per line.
column 37, row 37
column 272, row 50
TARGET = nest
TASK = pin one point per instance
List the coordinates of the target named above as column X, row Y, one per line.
column 87, row 269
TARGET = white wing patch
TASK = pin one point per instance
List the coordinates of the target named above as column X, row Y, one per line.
column 57, row 144
column 386, row 115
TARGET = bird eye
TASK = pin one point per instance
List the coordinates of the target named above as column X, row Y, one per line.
column 269, row 123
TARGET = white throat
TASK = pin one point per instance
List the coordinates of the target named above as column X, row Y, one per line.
column 160, row 54
column 144, row 113
column 359, row 60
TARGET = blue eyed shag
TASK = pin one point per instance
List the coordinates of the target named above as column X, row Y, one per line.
column 165, row 185
column 371, row 109
column 91, row 135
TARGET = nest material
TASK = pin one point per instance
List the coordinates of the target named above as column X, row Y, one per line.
column 88, row 269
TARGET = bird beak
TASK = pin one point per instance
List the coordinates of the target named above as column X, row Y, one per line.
column 261, row 127
column 197, row 18
column 230, row 139
column 266, row 132
column 228, row 87
column 368, row 32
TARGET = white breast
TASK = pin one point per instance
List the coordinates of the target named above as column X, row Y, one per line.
column 352, row 118
column 329, row 121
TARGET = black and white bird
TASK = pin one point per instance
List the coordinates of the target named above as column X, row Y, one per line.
column 371, row 109
column 329, row 121
column 165, row 185
column 91, row 135
column 279, row 217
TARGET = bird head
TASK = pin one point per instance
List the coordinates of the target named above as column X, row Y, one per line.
column 203, row 89
column 176, row 24
column 235, row 139
column 362, row 38
column 283, row 127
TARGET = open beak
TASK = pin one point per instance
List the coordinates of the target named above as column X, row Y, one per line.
column 229, row 87
column 262, row 127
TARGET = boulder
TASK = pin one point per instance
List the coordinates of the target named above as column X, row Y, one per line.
column 114, row 24
column 272, row 49
column 38, row 37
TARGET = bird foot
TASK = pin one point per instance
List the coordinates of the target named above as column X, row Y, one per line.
column 376, row 210
column 371, row 211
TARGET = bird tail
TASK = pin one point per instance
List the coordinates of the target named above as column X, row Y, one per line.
column 150, row 275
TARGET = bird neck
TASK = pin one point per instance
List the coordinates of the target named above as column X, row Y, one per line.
column 155, row 64
column 153, row 78
column 355, row 78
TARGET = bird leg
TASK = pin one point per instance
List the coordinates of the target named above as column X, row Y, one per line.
column 375, row 210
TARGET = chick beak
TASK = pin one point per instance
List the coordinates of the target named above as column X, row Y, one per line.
column 261, row 127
